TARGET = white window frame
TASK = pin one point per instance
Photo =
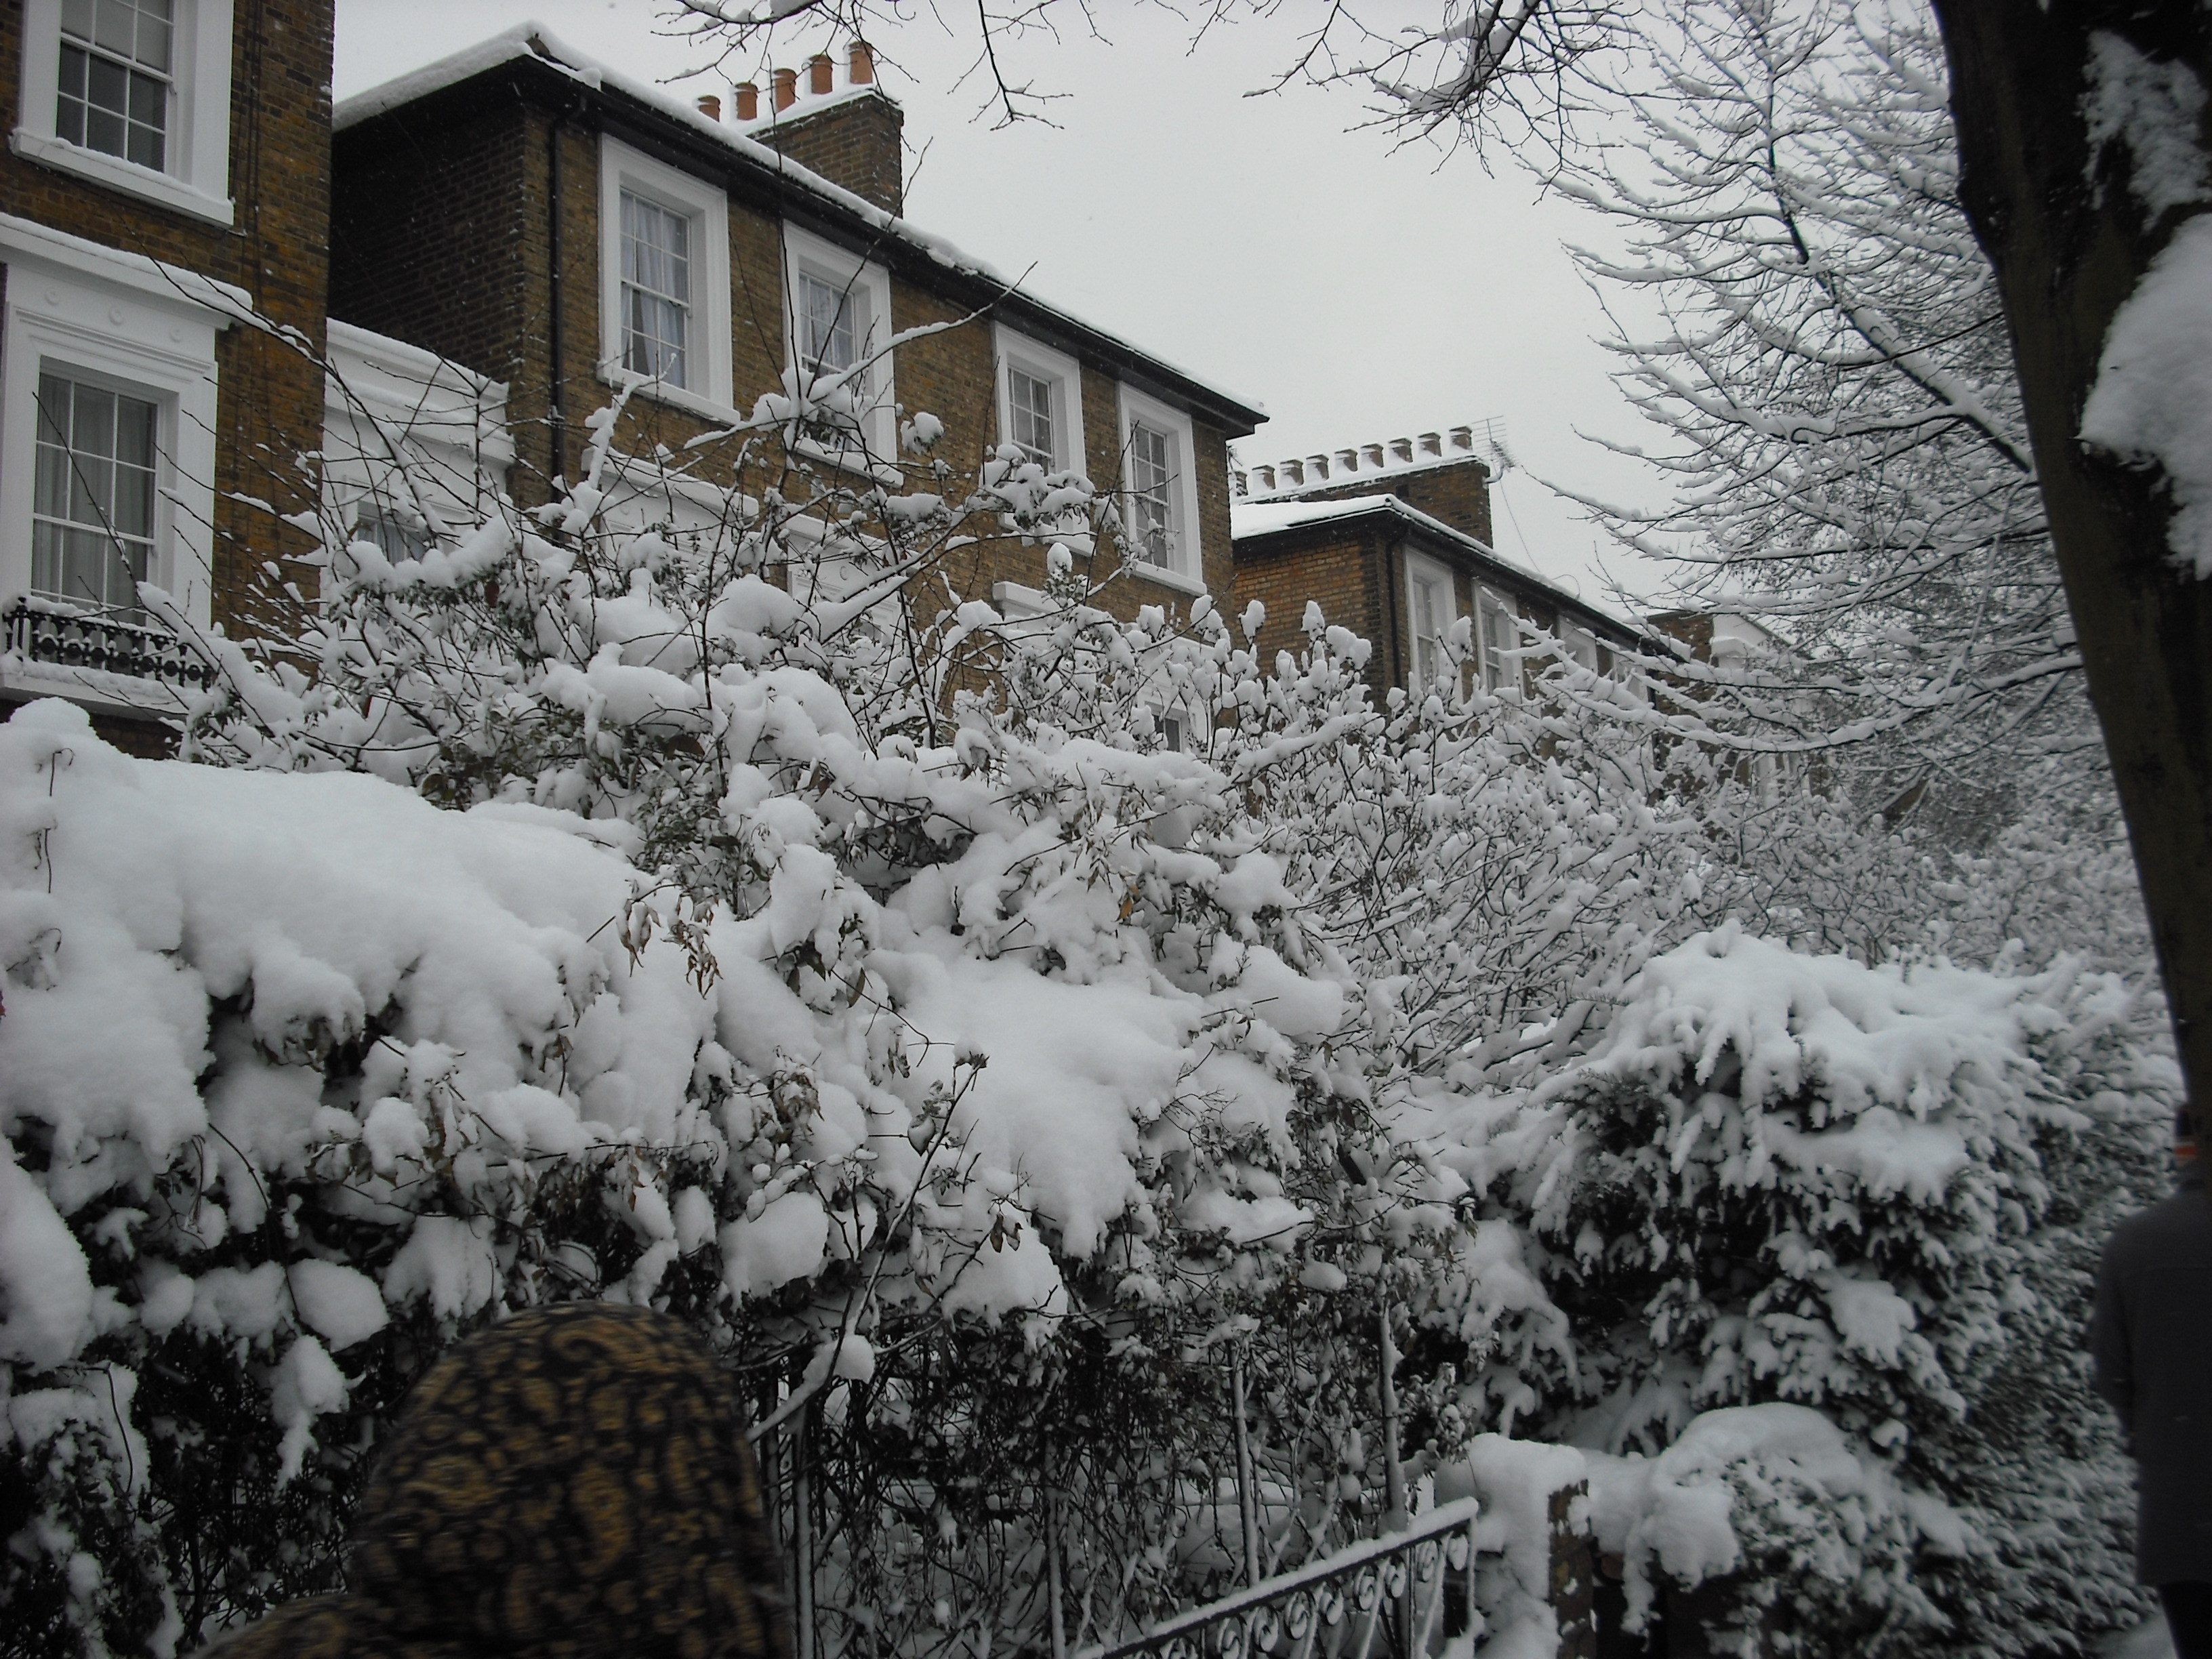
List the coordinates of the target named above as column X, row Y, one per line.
column 196, row 180
column 1188, row 572
column 809, row 255
column 122, row 320
column 621, row 168
column 1578, row 645
column 1058, row 371
column 1424, row 571
column 1496, row 669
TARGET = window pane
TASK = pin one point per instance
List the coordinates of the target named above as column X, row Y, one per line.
column 1151, row 505
column 115, row 26
column 148, row 99
column 103, row 132
column 72, row 75
column 134, row 430
column 93, row 497
column 656, row 290
column 92, row 431
column 1029, row 401
column 154, row 34
column 76, row 18
column 107, row 84
column 826, row 331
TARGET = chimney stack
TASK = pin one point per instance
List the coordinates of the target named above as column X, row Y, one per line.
column 710, row 105
column 748, row 101
column 786, row 82
column 860, row 64
column 821, row 75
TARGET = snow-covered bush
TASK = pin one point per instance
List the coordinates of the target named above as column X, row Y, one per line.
column 1792, row 1541
column 1781, row 1178
column 859, row 976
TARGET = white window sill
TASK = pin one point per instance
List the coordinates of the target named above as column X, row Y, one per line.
column 1164, row 576
column 676, row 397
column 120, row 174
column 849, row 460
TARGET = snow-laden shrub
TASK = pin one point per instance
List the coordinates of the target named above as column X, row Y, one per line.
column 1785, row 1538
column 583, row 913
column 1781, row 1178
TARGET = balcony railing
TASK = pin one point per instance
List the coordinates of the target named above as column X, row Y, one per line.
column 103, row 644
column 1402, row 1595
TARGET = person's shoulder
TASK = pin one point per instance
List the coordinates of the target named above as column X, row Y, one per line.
column 2181, row 1222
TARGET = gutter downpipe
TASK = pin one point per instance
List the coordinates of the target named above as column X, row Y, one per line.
column 556, row 342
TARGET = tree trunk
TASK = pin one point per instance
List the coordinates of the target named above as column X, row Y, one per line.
column 2070, row 242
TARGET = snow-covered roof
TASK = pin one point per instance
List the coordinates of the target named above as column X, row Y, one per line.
column 533, row 43
column 1250, row 519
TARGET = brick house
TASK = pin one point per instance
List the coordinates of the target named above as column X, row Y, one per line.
column 550, row 224
column 166, row 173
column 1392, row 541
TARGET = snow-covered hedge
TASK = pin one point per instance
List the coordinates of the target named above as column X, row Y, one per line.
column 1855, row 1202
column 743, row 922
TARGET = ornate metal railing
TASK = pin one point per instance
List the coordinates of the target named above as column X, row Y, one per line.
column 1402, row 1595
column 102, row 643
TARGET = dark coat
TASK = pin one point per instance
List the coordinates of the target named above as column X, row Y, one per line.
column 2151, row 1339
column 573, row 1484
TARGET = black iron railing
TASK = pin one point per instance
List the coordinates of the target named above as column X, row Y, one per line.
column 103, row 643
column 1400, row 1594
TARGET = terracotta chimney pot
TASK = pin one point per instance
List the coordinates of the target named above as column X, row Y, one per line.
column 860, row 64
column 821, row 73
column 710, row 105
column 1462, row 437
column 1347, row 460
column 1317, row 467
column 1402, row 449
column 1240, row 481
column 1371, row 454
column 1431, row 443
column 748, row 100
column 786, row 82
column 1293, row 471
column 1265, row 475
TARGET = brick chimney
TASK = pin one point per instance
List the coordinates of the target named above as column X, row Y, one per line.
column 748, row 100
column 853, row 134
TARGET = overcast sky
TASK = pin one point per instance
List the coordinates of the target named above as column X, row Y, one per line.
column 1356, row 291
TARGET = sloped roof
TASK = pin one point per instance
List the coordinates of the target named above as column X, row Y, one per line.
column 881, row 233
column 1250, row 520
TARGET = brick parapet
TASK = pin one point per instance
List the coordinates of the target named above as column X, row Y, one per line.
column 1456, row 492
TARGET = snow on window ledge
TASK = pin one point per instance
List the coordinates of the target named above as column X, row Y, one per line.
column 120, row 174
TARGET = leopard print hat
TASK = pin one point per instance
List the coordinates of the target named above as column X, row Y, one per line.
column 572, row 1484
